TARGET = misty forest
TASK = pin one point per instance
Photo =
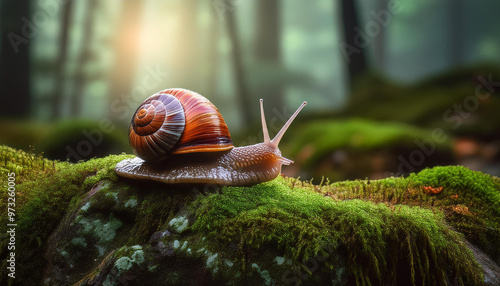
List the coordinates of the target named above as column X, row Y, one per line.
column 390, row 172
column 65, row 68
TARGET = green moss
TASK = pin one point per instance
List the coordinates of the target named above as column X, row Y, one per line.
column 470, row 200
column 368, row 232
column 378, row 239
column 26, row 165
column 22, row 134
column 70, row 134
column 157, row 209
column 476, row 186
column 323, row 136
column 42, row 201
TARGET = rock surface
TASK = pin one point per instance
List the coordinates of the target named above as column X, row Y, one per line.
column 121, row 234
column 80, row 224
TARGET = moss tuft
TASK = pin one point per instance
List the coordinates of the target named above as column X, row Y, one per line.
column 378, row 239
column 26, row 165
column 323, row 136
column 471, row 184
column 43, row 199
column 470, row 200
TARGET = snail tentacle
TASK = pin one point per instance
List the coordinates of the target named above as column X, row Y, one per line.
column 264, row 124
column 276, row 140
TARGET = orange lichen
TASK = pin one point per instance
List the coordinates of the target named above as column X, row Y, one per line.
column 463, row 210
column 430, row 190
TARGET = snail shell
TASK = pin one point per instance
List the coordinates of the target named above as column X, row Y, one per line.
column 177, row 121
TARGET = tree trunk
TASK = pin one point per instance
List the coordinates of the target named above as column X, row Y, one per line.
column 212, row 55
column 268, row 51
column 239, row 71
column 355, row 54
column 187, row 59
column 84, row 57
column 456, row 25
column 61, row 61
column 15, row 96
column 380, row 40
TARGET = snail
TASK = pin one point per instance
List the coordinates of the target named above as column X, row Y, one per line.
column 179, row 136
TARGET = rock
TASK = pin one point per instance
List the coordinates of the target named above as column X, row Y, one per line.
column 82, row 225
column 107, row 239
column 491, row 269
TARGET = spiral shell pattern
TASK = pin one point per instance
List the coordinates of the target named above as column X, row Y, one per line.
column 156, row 127
column 177, row 121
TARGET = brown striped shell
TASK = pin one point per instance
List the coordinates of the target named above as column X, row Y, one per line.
column 177, row 121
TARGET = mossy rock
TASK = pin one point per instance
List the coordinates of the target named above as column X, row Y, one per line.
column 84, row 225
column 360, row 148
column 82, row 140
column 43, row 195
column 425, row 103
column 71, row 140
column 22, row 134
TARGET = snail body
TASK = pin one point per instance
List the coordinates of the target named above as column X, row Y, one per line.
column 199, row 152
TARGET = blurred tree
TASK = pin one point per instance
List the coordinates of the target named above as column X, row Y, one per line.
column 379, row 40
column 57, row 97
column 126, row 52
column 356, row 60
column 81, row 78
column 16, row 34
column 268, row 50
column 212, row 53
column 187, row 57
column 239, row 70
column 456, row 32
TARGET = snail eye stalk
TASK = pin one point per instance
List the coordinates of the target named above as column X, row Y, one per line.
column 276, row 140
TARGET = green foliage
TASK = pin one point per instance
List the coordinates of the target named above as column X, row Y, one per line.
column 377, row 238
